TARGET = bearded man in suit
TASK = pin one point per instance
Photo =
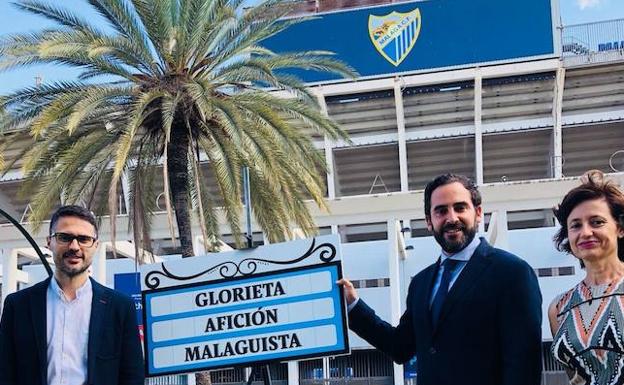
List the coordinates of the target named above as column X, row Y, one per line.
column 473, row 317
column 68, row 329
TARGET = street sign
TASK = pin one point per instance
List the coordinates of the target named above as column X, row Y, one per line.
column 275, row 302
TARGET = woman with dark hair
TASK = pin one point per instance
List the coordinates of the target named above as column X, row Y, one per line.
column 587, row 321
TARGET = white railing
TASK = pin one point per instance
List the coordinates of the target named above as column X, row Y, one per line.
column 168, row 380
column 593, row 38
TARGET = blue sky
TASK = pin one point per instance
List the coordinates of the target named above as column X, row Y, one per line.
column 15, row 21
column 585, row 11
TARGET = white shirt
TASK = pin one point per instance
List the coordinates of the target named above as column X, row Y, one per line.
column 67, row 325
column 463, row 256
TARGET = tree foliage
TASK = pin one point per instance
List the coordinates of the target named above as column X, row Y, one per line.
column 165, row 85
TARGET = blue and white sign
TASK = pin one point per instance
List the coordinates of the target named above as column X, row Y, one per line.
column 395, row 34
column 130, row 284
column 426, row 35
column 252, row 313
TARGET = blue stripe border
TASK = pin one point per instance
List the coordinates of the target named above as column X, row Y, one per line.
column 338, row 321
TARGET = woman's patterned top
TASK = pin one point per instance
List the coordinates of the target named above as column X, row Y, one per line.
column 589, row 342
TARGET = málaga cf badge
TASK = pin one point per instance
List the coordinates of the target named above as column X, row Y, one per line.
column 395, row 34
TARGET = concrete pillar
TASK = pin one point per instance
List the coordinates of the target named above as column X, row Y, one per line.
column 9, row 272
column 407, row 224
column 328, row 148
column 198, row 245
column 247, row 373
column 326, row 371
column 293, row 373
column 99, row 264
column 497, row 230
column 331, row 169
column 478, row 95
column 400, row 117
column 394, row 232
column 557, row 142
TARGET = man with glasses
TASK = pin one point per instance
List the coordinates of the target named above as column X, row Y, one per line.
column 70, row 330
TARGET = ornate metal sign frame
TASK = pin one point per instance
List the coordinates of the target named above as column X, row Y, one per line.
column 244, row 268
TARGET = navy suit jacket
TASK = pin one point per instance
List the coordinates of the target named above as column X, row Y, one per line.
column 489, row 331
column 114, row 355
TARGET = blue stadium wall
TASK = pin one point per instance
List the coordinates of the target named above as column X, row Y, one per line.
column 451, row 34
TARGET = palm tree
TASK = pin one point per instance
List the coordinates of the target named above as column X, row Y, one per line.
column 166, row 84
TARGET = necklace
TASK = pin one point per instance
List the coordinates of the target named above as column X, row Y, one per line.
column 599, row 291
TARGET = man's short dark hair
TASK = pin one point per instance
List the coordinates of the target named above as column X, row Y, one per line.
column 444, row 179
column 73, row 211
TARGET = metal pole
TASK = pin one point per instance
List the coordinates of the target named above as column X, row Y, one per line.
column 248, row 235
column 251, row 375
column 30, row 240
column 247, row 198
column 267, row 375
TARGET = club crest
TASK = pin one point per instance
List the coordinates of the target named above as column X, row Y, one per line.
column 395, row 34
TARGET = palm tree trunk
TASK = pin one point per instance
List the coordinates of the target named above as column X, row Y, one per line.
column 203, row 378
column 177, row 158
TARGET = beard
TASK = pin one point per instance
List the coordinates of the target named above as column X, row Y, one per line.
column 452, row 246
column 70, row 271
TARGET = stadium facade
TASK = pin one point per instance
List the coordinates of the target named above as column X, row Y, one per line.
column 496, row 91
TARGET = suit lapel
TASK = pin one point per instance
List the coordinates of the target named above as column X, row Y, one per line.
column 98, row 310
column 422, row 294
column 468, row 277
column 38, row 309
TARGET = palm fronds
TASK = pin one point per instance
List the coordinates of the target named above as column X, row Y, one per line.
column 170, row 82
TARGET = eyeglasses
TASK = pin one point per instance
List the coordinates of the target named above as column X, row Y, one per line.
column 66, row 239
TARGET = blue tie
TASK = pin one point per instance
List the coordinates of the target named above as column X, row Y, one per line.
column 436, row 307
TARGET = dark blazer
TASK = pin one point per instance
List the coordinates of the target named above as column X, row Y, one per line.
column 114, row 350
column 489, row 331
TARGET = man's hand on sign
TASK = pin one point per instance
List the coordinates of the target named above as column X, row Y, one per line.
column 349, row 291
